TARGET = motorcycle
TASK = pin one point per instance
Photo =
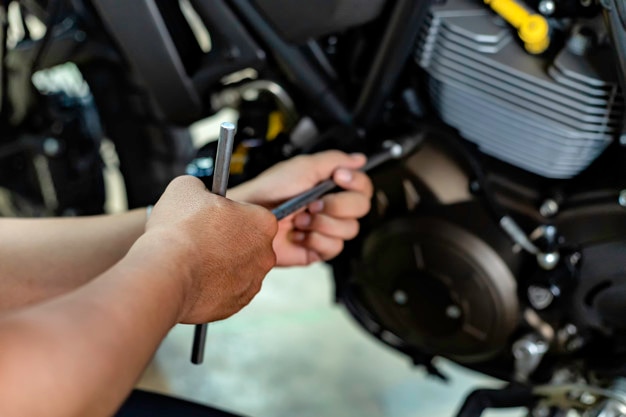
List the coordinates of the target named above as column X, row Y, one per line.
column 499, row 243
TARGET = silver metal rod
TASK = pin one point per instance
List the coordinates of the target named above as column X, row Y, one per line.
column 392, row 150
column 220, row 185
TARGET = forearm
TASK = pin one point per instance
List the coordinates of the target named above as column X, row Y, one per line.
column 81, row 353
column 41, row 258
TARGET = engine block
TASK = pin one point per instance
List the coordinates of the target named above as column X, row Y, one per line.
column 550, row 115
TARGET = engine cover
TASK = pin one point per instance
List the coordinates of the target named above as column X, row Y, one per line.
column 550, row 115
column 437, row 286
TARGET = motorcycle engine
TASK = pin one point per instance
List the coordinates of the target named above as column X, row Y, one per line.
column 506, row 255
column 551, row 115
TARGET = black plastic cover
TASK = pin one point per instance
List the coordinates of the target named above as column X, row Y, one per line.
column 299, row 21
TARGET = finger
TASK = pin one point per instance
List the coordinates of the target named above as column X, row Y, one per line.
column 323, row 164
column 354, row 181
column 322, row 247
column 344, row 229
column 344, row 205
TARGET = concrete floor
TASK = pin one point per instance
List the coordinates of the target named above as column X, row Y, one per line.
column 292, row 352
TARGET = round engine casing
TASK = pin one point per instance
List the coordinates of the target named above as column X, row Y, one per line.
column 438, row 287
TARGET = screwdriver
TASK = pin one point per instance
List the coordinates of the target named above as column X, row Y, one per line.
column 392, row 149
column 220, row 184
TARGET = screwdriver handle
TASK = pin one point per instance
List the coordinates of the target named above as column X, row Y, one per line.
column 220, row 185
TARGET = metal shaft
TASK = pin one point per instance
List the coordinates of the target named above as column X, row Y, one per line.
column 393, row 151
column 220, row 185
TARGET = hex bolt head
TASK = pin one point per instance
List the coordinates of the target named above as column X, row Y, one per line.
column 453, row 312
column 540, row 297
column 549, row 208
column 622, row 198
column 548, row 261
column 547, row 7
column 51, row 147
column 400, row 297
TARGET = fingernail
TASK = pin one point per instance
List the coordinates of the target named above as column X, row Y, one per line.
column 316, row 206
column 297, row 236
column 303, row 220
column 357, row 155
column 343, row 175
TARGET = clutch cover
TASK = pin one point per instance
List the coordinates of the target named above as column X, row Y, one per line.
column 437, row 287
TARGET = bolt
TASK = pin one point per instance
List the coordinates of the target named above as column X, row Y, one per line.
column 587, row 398
column 453, row 312
column 622, row 198
column 474, row 187
column 546, row 7
column 570, row 329
column 51, row 147
column 549, row 208
column 569, row 337
column 622, row 139
column 575, row 344
column 80, row 36
column 548, row 261
column 204, row 163
column 288, row 149
column 549, row 232
column 540, row 297
column 541, row 411
column 192, row 170
column 575, row 258
column 581, row 41
column 400, row 297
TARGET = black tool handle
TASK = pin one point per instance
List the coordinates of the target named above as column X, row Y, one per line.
column 221, row 173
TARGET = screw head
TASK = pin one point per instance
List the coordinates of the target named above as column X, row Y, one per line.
column 540, row 297
column 547, row 7
column 51, row 147
column 400, row 297
column 548, row 261
column 549, row 208
column 453, row 312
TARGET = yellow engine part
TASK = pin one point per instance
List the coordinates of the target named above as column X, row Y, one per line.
column 532, row 29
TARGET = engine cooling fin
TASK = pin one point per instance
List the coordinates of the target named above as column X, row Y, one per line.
column 550, row 116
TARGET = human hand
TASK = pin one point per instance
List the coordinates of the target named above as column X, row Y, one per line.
column 221, row 250
column 319, row 231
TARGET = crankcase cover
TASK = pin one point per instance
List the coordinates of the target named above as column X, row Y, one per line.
column 439, row 288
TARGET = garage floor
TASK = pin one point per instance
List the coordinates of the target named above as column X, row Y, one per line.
column 292, row 352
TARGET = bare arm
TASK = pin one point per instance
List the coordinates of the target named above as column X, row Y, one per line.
column 201, row 259
column 41, row 258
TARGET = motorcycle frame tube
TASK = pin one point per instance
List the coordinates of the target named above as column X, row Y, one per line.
column 142, row 35
column 396, row 47
column 180, row 98
column 168, row 82
column 295, row 66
